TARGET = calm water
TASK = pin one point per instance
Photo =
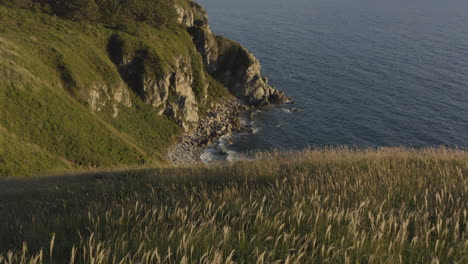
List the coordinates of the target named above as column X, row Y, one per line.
column 364, row 72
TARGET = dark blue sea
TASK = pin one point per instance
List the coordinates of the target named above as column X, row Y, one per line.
column 364, row 73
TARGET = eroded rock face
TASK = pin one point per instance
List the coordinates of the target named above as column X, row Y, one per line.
column 240, row 71
column 185, row 16
column 230, row 63
column 192, row 14
column 169, row 91
column 155, row 92
column 206, row 44
column 102, row 95
column 184, row 108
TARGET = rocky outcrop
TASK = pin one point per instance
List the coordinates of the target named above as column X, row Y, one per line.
column 207, row 45
column 185, row 16
column 228, row 62
column 170, row 91
column 191, row 14
column 184, row 107
column 240, row 71
column 101, row 95
column 222, row 121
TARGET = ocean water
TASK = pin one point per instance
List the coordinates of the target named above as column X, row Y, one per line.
column 364, row 73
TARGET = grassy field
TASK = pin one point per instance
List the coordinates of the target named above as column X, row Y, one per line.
column 315, row 206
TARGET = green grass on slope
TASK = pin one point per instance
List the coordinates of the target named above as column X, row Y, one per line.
column 47, row 69
column 328, row 206
column 144, row 124
column 19, row 158
column 52, row 120
column 159, row 50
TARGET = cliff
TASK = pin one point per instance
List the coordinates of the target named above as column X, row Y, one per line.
column 227, row 61
column 76, row 94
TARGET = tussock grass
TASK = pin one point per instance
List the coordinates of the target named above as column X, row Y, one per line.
column 316, row 206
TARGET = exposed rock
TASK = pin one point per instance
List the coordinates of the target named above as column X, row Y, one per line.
column 192, row 15
column 185, row 16
column 206, row 45
column 154, row 91
column 101, row 95
column 169, row 91
column 230, row 63
column 208, row 131
column 240, row 71
column 184, row 108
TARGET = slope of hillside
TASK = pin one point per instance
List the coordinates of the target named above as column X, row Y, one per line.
column 54, row 74
column 89, row 92
column 21, row 158
column 327, row 206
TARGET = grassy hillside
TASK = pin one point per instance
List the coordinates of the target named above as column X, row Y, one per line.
column 25, row 158
column 328, row 206
column 50, row 67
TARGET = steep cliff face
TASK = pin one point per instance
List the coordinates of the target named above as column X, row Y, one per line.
column 170, row 91
column 190, row 14
column 184, row 107
column 227, row 61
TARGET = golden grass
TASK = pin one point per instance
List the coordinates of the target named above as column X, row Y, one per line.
column 390, row 205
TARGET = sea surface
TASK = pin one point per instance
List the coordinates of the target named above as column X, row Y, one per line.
column 364, row 73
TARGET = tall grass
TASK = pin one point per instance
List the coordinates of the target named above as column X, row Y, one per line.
column 315, row 206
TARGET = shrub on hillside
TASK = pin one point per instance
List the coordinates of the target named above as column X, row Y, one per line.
column 83, row 10
column 153, row 12
column 17, row 3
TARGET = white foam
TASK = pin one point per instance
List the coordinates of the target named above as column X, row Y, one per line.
column 219, row 153
column 211, row 156
column 244, row 121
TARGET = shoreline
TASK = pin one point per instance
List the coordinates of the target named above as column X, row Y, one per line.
column 222, row 121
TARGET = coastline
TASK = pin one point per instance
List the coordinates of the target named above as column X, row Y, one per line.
column 222, row 121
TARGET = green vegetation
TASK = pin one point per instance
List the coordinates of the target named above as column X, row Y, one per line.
column 216, row 90
column 327, row 206
column 68, row 103
column 20, row 158
column 58, row 87
column 117, row 12
column 149, row 130
column 156, row 51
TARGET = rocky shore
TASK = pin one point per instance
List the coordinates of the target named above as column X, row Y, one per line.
column 231, row 65
column 223, row 120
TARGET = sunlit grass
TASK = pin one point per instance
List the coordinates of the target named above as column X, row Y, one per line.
column 324, row 206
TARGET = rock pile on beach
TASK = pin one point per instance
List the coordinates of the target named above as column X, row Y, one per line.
column 222, row 120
